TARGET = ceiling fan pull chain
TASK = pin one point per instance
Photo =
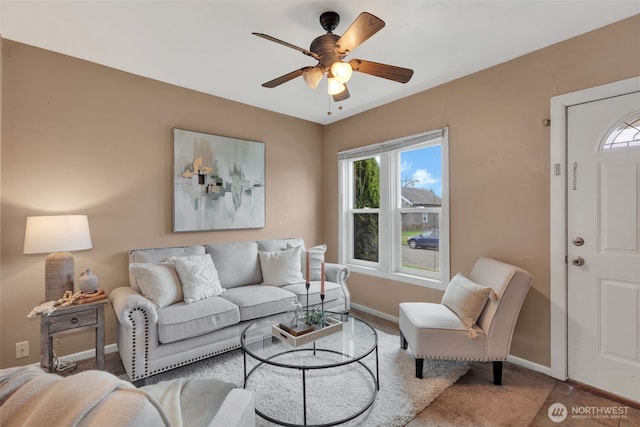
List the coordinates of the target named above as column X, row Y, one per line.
column 329, row 112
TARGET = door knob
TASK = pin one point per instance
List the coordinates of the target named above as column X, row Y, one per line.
column 577, row 261
column 577, row 241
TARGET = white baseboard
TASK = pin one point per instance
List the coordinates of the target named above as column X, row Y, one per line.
column 112, row 348
column 529, row 365
column 512, row 359
column 376, row 313
column 87, row 354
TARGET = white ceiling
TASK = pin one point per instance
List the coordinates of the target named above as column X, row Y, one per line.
column 207, row 45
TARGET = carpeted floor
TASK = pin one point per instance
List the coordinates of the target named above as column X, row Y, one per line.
column 522, row 400
column 337, row 393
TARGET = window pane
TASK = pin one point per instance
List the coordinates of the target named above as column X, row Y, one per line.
column 421, row 187
column 625, row 135
column 421, row 241
column 366, row 183
column 421, row 177
column 365, row 237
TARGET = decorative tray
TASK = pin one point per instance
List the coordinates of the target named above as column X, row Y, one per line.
column 316, row 334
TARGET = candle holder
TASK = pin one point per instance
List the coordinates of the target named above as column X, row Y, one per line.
column 307, row 285
column 322, row 304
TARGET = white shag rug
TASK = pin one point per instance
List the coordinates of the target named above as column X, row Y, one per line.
column 334, row 394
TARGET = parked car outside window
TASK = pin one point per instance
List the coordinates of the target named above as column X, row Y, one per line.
column 429, row 239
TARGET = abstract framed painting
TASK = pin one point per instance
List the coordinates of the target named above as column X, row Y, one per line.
column 218, row 182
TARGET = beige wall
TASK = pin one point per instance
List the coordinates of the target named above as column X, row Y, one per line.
column 499, row 164
column 83, row 138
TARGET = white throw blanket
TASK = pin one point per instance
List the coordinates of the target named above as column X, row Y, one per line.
column 167, row 393
column 29, row 397
column 190, row 403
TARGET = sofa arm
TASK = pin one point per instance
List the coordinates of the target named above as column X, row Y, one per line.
column 136, row 330
column 125, row 300
column 339, row 273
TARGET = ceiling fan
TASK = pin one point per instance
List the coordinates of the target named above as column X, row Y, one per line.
column 330, row 51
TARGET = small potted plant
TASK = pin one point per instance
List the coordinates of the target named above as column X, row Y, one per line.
column 316, row 317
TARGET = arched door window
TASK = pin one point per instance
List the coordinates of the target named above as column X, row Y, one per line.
column 625, row 135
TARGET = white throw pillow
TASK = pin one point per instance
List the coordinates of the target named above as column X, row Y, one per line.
column 159, row 282
column 282, row 267
column 199, row 277
column 316, row 258
column 467, row 299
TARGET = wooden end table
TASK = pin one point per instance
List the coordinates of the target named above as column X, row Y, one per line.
column 68, row 319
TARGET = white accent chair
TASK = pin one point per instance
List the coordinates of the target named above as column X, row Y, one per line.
column 434, row 331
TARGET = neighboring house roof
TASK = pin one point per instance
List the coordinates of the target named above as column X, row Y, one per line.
column 415, row 197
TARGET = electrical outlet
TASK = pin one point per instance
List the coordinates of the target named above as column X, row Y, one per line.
column 22, row 349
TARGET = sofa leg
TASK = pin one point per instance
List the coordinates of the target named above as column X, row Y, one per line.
column 403, row 342
column 497, row 372
column 419, row 366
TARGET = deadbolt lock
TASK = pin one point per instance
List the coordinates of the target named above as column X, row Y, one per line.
column 578, row 241
column 577, row 261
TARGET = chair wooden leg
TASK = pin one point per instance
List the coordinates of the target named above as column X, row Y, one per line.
column 419, row 366
column 403, row 342
column 497, row 372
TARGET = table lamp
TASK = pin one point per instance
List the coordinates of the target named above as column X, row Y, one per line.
column 57, row 234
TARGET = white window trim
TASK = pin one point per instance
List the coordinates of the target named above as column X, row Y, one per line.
column 389, row 176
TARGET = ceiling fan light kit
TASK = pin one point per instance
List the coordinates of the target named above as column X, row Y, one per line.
column 330, row 50
column 334, row 87
column 341, row 71
column 312, row 77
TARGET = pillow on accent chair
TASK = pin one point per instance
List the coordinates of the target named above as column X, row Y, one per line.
column 467, row 299
column 316, row 258
column 199, row 277
column 159, row 283
column 282, row 267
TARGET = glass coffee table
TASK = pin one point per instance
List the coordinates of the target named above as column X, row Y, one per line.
column 323, row 365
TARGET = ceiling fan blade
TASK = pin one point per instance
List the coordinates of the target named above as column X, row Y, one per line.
column 299, row 49
column 364, row 26
column 285, row 78
column 391, row 72
column 342, row 95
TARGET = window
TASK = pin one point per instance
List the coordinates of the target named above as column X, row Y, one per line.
column 624, row 135
column 394, row 209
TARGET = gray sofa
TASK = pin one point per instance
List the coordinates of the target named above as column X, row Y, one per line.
column 155, row 336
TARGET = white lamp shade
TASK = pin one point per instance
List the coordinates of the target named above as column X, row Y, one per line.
column 58, row 233
column 341, row 71
column 334, row 86
column 312, row 77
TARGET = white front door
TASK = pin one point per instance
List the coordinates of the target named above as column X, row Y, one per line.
column 603, row 226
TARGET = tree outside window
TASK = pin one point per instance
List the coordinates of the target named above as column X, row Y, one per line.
column 366, row 181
